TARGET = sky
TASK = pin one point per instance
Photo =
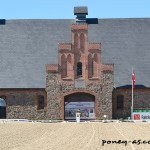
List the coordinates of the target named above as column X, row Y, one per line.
column 63, row 9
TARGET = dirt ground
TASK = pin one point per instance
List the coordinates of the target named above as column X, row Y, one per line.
column 74, row 136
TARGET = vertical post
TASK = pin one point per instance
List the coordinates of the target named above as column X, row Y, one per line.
column 132, row 95
column 78, row 116
column 132, row 103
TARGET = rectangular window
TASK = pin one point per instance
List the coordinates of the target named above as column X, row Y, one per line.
column 40, row 102
column 79, row 69
column 120, row 102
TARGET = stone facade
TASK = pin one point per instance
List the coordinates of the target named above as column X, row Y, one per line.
column 141, row 101
column 22, row 103
column 107, row 88
column 94, row 78
column 79, row 72
column 53, row 89
column 56, row 91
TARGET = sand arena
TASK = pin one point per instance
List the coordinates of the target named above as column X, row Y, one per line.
column 74, row 136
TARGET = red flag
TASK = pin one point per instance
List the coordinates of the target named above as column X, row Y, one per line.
column 133, row 79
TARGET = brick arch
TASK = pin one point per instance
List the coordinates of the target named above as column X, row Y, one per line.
column 90, row 66
column 79, row 91
column 95, row 65
column 82, row 41
column 95, row 57
column 76, row 41
column 69, row 65
column 63, row 66
column 69, row 58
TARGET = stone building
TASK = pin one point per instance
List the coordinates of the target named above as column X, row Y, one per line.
column 52, row 68
column 79, row 78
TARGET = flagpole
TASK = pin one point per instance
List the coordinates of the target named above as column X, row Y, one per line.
column 132, row 99
column 132, row 103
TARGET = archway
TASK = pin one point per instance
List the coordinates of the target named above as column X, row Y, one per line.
column 85, row 102
column 2, row 109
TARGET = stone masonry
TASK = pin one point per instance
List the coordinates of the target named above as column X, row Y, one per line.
column 22, row 103
column 141, row 101
column 63, row 79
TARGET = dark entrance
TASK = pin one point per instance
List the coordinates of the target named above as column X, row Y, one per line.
column 2, row 109
column 84, row 102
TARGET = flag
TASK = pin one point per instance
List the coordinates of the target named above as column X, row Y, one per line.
column 133, row 79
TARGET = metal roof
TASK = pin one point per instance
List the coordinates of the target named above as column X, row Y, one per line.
column 26, row 46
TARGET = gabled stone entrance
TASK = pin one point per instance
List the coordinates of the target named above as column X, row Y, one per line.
column 79, row 69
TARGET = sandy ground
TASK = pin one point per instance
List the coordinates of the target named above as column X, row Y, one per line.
column 74, row 136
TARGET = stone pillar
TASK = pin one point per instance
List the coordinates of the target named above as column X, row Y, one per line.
column 53, row 88
column 107, row 78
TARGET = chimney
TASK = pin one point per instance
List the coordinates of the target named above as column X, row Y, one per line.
column 81, row 12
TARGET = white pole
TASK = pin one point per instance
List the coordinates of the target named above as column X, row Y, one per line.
column 132, row 103
column 132, row 99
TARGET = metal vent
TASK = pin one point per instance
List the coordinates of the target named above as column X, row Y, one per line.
column 80, row 13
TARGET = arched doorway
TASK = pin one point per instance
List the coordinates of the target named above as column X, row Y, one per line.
column 84, row 102
column 2, row 109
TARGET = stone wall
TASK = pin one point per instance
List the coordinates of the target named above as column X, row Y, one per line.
column 53, row 88
column 68, row 77
column 22, row 103
column 141, row 100
column 101, row 89
column 107, row 88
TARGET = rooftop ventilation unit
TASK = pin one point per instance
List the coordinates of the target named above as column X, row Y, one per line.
column 81, row 13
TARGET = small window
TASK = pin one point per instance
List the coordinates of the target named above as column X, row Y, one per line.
column 120, row 102
column 2, row 107
column 79, row 69
column 92, row 68
column 40, row 102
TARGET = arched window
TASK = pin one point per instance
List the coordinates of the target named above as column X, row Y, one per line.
column 63, row 66
column 95, row 65
column 40, row 102
column 120, row 102
column 76, row 42
column 69, row 58
column 90, row 66
column 82, row 41
column 69, row 66
column 79, row 69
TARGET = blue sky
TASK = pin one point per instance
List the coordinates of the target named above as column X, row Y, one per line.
column 63, row 9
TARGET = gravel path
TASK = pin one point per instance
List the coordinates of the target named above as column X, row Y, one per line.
column 74, row 136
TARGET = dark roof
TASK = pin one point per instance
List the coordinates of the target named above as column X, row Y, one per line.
column 80, row 10
column 130, row 86
column 27, row 45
